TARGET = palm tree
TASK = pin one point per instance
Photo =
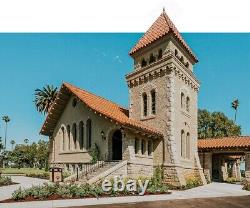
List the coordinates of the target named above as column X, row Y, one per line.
column 12, row 142
column 1, row 144
column 6, row 119
column 235, row 104
column 26, row 141
column 44, row 98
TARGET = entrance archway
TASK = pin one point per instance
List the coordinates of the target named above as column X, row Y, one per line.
column 117, row 145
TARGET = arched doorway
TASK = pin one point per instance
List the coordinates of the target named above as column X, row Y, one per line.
column 117, row 145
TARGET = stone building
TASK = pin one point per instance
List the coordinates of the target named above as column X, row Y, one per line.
column 221, row 158
column 159, row 128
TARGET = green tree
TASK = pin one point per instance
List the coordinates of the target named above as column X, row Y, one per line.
column 26, row 141
column 12, row 142
column 6, row 119
column 44, row 98
column 42, row 154
column 216, row 124
column 235, row 104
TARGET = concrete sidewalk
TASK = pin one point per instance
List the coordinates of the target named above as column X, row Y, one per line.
column 207, row 191
column 24, row 182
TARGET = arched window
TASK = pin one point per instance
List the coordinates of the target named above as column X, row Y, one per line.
column 74, row 134
column 188, row 104
column 63, row 138
column 68, row 134
column 151, row 58
column 143, row 63
column 150, row 147
column 153, row 100
column 159, row 54
column 136, row 146
column 143, row 146
column 145, row 104
column 89, row 133
column 175, row 52
column 81, row 135
column 183, row 147
column 182, row 100
column 182, row 59
column 188, row 145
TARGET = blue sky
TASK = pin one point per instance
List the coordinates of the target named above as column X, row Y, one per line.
column 98, row 62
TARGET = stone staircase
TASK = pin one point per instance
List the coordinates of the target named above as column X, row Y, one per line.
column 91, row 171
column 98, row 171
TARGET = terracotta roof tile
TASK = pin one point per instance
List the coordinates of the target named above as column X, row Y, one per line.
column 107, row 108
column 161, row 27
column 225, row 142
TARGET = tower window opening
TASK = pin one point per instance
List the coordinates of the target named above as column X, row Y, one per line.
column 159, row 54
column 152, row 58
column 143, row 63
column 145, row 104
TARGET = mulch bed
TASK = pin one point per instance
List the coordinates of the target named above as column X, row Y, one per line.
column 58, row 197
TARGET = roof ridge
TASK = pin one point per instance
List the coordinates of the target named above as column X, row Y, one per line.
column 112, row 102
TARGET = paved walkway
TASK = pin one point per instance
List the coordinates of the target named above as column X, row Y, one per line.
column 24, row 182
column 207, row 191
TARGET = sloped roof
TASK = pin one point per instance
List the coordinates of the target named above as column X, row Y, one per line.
column 98, row 104
column 224, row 143
column 161, row 27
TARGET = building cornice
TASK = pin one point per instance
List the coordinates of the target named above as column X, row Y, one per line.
column 161, row 68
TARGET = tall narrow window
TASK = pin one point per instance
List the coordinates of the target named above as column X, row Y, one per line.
column 136, row 146
column 182, row 100
column 81, row 135
column 153, row 104
column 188, row 104
column 150, row 147
column 63, row 138
column 183, row 143
column 159, row 54
column 74, row 134
column 89, row 133
column 188, row 146
column 145, row 104
column 142, row 147
column 143, row 63
column 68, row 134
column 151, row 58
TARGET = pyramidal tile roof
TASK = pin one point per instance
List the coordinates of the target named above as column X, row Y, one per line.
column 96, row 103
column 224, row 143
column 161, row 27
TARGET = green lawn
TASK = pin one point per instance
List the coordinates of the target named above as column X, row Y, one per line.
column 22, row 171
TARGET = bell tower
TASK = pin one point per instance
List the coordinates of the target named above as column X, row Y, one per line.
column 163, row 94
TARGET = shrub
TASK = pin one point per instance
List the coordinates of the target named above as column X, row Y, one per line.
column 193, row 182
column 246, row 185
column 5, row 181
column 38, row 175
column 18, row 194
column 95, row 154
column 231, row 180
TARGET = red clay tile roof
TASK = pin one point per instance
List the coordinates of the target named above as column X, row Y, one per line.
column 161, row 27
column 224, row 143
column 100, row 105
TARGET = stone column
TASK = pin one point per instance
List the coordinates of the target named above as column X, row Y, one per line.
column 238, row 173
column 234, row 170
column 224, row 174
column 247, row 166
column 139, row 148
column 206, row 163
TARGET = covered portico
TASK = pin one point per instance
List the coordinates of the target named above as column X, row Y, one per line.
column 222, row 158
